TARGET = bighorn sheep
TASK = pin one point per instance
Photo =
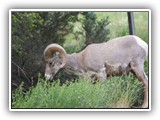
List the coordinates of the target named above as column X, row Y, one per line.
column 115, row 57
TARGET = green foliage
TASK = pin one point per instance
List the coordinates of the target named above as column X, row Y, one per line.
column 116, row 92
column 96, row 30
column 86, row 30
column 119, row 24
column 33, row 31
column 142, row 25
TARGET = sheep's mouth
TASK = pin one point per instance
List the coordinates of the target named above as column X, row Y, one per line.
column 49, row 77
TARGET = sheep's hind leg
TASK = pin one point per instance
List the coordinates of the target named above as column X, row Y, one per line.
column 138, row 69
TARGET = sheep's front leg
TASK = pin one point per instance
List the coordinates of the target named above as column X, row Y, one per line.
column 101, row 74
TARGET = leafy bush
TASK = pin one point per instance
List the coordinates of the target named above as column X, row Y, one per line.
column 116, row 92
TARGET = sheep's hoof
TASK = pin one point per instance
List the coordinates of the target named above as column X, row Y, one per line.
column 135, row 107
column 145, row 105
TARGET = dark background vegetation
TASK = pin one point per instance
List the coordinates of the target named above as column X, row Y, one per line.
column 31, row 32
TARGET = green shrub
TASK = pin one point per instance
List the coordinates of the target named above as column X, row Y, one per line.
column 116, row 92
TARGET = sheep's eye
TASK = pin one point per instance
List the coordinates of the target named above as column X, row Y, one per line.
column 50, row 63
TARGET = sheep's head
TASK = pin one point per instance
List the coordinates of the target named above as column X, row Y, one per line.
column 55, row 58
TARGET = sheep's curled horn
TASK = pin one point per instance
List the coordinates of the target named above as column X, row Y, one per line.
column 51, row 49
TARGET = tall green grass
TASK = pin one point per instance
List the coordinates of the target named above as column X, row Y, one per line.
column 116, row 92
